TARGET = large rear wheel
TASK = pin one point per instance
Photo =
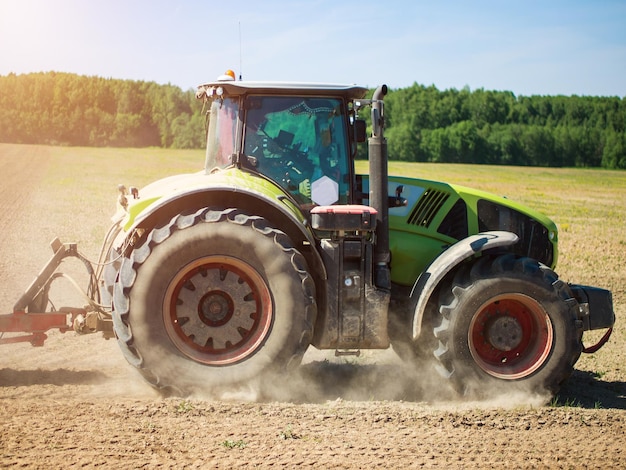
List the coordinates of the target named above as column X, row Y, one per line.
column 213, row 299
column 507, row 322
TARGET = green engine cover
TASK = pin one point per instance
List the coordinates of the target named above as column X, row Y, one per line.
column 434, row 215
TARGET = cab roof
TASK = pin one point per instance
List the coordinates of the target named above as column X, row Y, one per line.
column 241, row 87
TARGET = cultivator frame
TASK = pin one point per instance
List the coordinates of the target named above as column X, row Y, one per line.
column 29, row 312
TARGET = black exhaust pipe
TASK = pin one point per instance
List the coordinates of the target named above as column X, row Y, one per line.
column 379, row 194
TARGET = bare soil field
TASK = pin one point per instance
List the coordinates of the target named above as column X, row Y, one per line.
column 75, row 402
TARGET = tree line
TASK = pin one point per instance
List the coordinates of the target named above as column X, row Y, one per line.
column 495, row 127
column 423, row 124
column 67, row 109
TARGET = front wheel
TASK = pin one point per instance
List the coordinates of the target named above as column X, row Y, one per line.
column 509, row 322
column 211, row 300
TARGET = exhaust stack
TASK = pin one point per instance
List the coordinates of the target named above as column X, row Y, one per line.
column 379, row 194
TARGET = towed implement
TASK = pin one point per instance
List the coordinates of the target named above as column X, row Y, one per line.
column 229, row 275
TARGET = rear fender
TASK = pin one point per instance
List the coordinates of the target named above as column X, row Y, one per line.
column 447, row 261
column 278, row 209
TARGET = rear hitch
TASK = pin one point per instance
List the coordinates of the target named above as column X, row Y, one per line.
column 88, row 322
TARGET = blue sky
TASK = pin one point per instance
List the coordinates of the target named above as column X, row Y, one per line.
column 527, row 47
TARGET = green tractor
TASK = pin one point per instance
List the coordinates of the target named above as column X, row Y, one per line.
column 227, row 276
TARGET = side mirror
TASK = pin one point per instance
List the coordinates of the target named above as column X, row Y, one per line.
column 360, row 131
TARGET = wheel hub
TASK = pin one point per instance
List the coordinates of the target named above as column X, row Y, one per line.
column 215, row 308
column 504, row 333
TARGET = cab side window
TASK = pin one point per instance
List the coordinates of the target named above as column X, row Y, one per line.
column 301, row 144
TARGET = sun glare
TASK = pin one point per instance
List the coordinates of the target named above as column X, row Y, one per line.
column 32, row 34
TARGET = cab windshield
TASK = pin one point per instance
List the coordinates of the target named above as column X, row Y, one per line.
column 301, row 143
column 222, row 134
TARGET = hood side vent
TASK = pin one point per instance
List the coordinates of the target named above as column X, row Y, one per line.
column 427, row 208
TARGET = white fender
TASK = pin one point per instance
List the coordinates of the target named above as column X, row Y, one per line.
column 446, row 261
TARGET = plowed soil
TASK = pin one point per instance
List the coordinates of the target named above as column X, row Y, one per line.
column 76, row 403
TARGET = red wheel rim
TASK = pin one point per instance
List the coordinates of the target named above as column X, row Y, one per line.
column 218, row 310
column 510, row 337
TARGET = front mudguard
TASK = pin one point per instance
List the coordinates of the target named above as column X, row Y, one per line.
column 447, row 261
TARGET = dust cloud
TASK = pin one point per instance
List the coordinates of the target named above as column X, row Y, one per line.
column 98, row 366
column 373, row 376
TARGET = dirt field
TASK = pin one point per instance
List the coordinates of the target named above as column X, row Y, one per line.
column 76, row 403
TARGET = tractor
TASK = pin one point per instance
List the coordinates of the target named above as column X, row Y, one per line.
column 227, row 276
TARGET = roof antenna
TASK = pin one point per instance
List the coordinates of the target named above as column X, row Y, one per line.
column 240, row 66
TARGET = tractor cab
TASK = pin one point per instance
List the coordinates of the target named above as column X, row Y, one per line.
column 299, row 136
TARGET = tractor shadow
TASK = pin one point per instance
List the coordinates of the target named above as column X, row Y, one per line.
column 586, row 390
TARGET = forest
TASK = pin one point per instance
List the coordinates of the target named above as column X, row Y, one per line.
column 67, row 109
column 423, row 124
